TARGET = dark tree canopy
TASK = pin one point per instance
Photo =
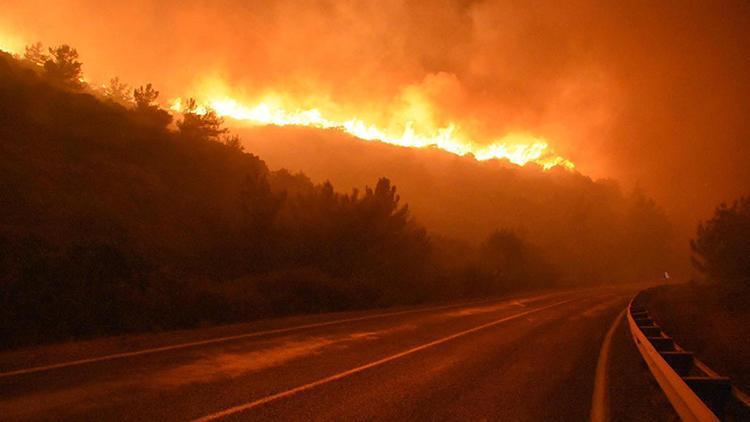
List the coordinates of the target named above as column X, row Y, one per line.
column 145, row 97
column 513, row 262
column 721, row 247
column 234, row 142
column 147, row 112
column 205, row 124
column 34, row 54
column 62, row 66
column 117, row 92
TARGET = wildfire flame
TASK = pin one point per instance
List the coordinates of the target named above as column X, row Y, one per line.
column 517, row 147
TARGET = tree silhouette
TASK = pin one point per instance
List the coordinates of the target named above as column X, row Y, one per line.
column 147, row 111
column 513, row 263
column 721, row 248
column 200, row 124
column 34, row 53
column 117, row 92
column 259, row 203
column 63, row 67
column 145, row 97
column 234, row 142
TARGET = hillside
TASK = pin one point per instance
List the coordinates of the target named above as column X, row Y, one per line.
column 119, row 217
column 112, row 221
column 591, row 230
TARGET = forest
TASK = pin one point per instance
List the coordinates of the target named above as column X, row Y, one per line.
column 117, row 216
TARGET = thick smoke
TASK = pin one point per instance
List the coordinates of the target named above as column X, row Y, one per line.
column 647, row 92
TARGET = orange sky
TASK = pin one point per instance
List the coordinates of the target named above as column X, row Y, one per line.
column 644, row 92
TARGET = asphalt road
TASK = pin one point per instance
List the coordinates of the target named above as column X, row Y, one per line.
column 531, row 357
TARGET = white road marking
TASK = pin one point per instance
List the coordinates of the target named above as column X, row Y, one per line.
column 293, row 391
column 234, row 337
column 599, row 406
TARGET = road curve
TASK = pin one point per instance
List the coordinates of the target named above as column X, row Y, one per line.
column 531, row 357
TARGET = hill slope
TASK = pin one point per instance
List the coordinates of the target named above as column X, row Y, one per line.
column 111, row 220
column 590, row 230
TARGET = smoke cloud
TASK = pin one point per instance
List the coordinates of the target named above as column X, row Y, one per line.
column 651, row 93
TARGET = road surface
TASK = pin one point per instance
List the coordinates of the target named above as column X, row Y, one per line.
column 530, row 357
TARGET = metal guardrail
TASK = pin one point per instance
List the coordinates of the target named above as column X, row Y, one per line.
column 656, row 349
column 738, row 394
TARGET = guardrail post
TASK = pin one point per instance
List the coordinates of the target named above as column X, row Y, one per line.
column 651, row 330
column 641, row 314
column 644, row 321
column 681, row 361
column 695, row 391
column 662, row 344
column 714, row 391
